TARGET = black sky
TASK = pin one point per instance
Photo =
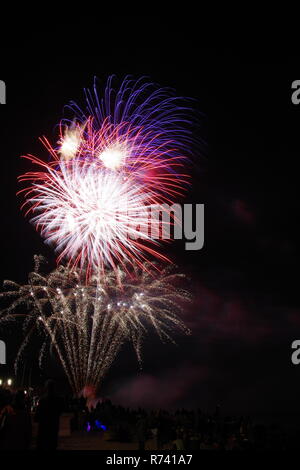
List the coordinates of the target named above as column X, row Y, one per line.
column 246, row 312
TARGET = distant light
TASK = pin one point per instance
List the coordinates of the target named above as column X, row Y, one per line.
column 9, row 382
column 1, row 382
column 99, row 425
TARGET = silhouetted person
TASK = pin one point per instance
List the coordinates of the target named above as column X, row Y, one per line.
column 47, row 415
column 16, row 430
column 141, row 429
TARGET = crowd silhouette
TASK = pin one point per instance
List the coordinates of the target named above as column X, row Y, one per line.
column 186, row 430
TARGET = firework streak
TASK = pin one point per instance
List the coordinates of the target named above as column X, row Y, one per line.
column 87, row 324
column 124, row 154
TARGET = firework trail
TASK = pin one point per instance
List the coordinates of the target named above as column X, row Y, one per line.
column 87, row 324
column 124, row 154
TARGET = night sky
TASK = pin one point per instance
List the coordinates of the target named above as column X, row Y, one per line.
column 246, row 311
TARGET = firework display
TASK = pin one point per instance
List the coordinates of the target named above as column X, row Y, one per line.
column 124, row 154
column 87, row 324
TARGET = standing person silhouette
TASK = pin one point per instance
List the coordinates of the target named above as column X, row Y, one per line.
column 47, row 415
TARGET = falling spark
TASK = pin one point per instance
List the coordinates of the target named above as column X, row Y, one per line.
column 87, row 324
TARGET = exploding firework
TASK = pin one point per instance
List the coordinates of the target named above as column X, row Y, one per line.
column 95, row 218
column 87, row 324
column 115, row 162
column 124, row 154
column 148, row 129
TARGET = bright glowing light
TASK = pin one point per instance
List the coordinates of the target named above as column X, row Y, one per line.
column 112, row 158
column 70, row 143
column 1, row 382
column 9, row 382
column 99, row 425
column 85, row 333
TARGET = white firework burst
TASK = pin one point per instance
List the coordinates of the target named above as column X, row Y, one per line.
column 92, row 216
